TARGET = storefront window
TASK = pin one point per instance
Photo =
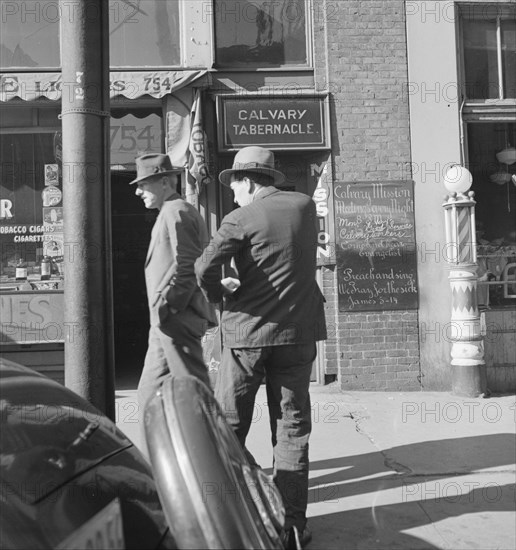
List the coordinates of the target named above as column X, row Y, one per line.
column 494, row 184
column 257, row 33
column 31, row 209
column 31, row 212
column 489, row 44
column 141, row 34
column 489, row 76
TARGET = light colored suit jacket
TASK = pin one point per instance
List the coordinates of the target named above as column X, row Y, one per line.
column 178, row 238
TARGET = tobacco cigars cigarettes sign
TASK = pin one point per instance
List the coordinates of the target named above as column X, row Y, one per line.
column 376, row 248
column 276, row 123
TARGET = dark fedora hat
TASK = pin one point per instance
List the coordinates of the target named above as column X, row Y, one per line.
column 253, row 159
column 153, row 164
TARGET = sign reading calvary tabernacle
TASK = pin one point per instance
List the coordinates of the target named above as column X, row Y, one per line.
column 298, row 122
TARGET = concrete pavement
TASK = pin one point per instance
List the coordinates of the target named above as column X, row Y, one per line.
column 399, row 470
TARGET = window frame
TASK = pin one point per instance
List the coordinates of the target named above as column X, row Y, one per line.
column 309, row 66
column 53, row 285
column 128, row 68
column 468, row 10
column 483, row 111
column 181, row 41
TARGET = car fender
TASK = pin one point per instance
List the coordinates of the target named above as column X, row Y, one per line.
column 199, row 468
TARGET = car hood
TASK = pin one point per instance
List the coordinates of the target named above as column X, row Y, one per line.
column 48, row 434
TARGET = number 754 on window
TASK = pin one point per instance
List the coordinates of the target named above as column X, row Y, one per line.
column 132, row 138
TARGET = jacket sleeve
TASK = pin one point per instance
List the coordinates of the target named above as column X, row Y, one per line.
column 185, row 241
column 227, row 242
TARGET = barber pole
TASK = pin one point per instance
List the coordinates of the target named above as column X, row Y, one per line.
column 467, row 352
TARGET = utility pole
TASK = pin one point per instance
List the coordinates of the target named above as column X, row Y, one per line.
column 88, row 310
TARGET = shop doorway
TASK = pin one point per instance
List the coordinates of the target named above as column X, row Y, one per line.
column 131, row 230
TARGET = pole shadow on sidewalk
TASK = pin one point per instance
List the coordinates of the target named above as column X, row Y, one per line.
column 372, row 508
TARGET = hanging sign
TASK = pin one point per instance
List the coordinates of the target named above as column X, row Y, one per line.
column 319, row 178
column 294, row 122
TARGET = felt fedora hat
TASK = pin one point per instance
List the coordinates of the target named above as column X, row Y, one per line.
column 253, row 159
column 153, row 164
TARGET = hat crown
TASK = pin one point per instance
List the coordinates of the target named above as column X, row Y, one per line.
column 253, row 157
column 153, row 163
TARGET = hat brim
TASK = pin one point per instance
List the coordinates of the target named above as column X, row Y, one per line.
column 157, row 174
column 225, row 175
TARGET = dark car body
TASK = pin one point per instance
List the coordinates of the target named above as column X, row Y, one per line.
column 226, row 502
column 69, row 478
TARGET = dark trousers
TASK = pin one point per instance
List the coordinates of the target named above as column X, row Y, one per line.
column 287, row 370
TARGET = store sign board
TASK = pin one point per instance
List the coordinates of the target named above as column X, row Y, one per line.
column 129, row 84
column 32, row 318
column 294, row 122
column 376, row 247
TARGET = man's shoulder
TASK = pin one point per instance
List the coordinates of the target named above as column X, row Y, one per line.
column 290, row 196
column 173, row 203
column 297, row 196
column 280, row 200
column 178, row 204
column 235, row 216
column 288, row 200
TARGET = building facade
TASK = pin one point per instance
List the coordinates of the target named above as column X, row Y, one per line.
column 366, row 105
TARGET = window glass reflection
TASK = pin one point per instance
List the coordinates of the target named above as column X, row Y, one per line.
column 29, row 34
column 31, row 220
column 495, row 196
column 484, row 77
column 260, row 33
column 509, row 57
column 480, row 59
column 144, row 33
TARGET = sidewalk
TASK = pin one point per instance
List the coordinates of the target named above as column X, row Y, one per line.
column 399, row 470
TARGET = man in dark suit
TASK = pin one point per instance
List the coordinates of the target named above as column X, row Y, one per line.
column 179, row 313
column 273, row 315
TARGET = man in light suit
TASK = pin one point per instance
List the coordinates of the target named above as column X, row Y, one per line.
column 179, row 313
column 273, row 315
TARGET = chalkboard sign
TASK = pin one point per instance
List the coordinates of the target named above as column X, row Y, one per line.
column 376, row 248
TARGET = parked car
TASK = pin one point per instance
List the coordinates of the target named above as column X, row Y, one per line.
column 225, row 502
column 69, row 478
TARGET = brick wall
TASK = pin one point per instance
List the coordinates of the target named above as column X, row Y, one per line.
column 368, row 68
column 329, row 279
column 364, row 47
column 377, row 352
